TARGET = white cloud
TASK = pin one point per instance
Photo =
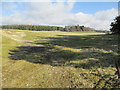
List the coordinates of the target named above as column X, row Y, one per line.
column 99, row 20
column 59, row 14
column 106, row 14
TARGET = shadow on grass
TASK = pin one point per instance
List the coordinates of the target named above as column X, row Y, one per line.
column 48, row 54
column 106, row 42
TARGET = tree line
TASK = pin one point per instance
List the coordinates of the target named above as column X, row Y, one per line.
column 33, row 27
column 47, row 28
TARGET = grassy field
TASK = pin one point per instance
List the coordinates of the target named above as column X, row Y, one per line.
column 55, row 59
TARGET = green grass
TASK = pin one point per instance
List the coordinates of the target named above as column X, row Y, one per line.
column 55, row 59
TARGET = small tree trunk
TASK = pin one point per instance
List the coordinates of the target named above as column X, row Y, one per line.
column 117, row 64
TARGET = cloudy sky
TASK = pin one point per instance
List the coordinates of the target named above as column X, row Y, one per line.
column 97, row 15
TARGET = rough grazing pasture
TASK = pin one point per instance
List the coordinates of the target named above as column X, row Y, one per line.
column 55, row 59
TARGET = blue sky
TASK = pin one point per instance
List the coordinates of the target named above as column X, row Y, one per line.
column 93, row 7
column 92, row 14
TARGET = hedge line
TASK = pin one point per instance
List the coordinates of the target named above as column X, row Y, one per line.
column 33, row 27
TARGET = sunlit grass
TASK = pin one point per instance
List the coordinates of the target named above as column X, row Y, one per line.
column 77, row 55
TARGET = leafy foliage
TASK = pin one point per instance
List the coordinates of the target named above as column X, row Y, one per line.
column 116, row 25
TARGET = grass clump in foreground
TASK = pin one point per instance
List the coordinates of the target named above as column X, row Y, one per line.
column 54, row 59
